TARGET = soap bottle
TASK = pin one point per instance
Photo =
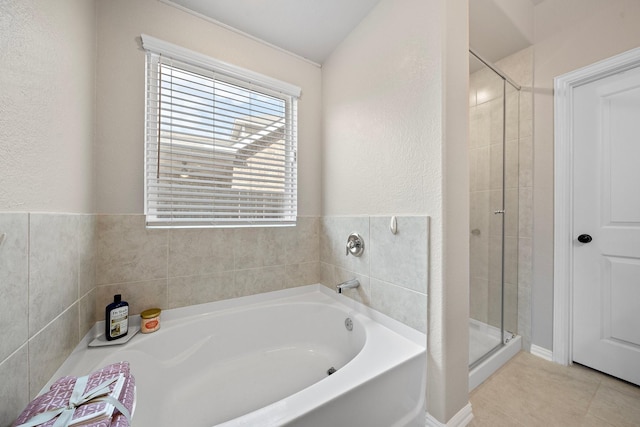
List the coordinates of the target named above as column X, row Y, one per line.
column 116, row 320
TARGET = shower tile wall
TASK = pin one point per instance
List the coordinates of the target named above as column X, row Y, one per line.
column 486, row 155
column 519, row 67
column 392, row 269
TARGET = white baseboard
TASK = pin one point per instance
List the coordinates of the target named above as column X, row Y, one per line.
column 542, row 352
column 461, row 419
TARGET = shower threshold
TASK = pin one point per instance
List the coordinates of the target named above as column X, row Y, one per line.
column 482, row 369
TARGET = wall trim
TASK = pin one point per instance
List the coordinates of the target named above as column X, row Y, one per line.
column 461, row 419
column 563, row 193
column 542, row 352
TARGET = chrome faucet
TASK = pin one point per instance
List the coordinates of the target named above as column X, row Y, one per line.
column 349, row 284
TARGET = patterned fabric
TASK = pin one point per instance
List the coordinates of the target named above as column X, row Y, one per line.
column 60, row 392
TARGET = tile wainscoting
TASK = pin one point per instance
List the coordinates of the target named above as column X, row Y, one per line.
column 170, row 268
column 58, row 271
column 47, row 269
column 392, row 269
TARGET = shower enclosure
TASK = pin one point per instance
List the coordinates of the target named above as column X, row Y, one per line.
column 493, row 238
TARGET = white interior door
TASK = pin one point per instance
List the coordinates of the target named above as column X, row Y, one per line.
column 606, row 206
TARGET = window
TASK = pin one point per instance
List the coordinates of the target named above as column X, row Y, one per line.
column 220, row 143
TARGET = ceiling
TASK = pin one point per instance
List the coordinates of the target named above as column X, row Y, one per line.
column 309, row 28
column 492, row 31
column 313, row 29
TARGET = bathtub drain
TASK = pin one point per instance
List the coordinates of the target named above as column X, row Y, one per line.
column 348, row 323
column 331, row 370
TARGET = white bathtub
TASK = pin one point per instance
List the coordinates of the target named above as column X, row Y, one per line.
column 262, row 361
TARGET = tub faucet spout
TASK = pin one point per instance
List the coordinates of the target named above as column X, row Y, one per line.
column 349, row 284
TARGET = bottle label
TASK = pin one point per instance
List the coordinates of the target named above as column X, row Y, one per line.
column 119, row 321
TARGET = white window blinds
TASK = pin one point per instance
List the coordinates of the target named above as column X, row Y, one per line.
column 220, row 143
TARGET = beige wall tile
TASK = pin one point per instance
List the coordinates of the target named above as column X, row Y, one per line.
column 307, row 273
column 327, row 276
column 479, row 259
column 483, row 172
column 362, row 293
column 526, row 127
column 87, row 312
column 511, row 160
column 495, row 220
column 333, row 240
column 511, row 307
column 525, row 223
column 479, row 299
column 474, row 122
column 139, row 295
column 496, row 166
column 512, row 113
column 53, row 267
column 483, row 138
column 190, row 290
column 14, row 281
column 302, row 243
column 497, row 114
column 200, row 251
column 259, row 247
column 525, row 156
column 495, row 258
column 473, row 169
column 14, row 387
column 511, row 259
column 128, row 252
column 404, row 305
column 260, row 280
column 524, row 291
column 400, row 258
column 87, row 245
column 50, row 347
column 494, row 313
column 511, row 212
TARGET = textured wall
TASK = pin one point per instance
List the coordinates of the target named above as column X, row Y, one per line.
column 47, row 57
column 389, row 147
column 570, row 34
column 120, row 89
column 381, row 114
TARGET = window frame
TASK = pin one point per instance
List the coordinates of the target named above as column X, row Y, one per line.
column 286, row 208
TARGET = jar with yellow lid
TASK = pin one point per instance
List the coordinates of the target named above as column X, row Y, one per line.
column 150, row 320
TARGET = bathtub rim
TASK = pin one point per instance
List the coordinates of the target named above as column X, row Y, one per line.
column 394, row 325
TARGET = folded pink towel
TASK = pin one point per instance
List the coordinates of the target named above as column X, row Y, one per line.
column 114, row 380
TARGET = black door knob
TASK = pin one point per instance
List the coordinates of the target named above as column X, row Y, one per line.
column 584, row 238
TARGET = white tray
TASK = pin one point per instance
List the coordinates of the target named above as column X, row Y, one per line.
column 101, row 340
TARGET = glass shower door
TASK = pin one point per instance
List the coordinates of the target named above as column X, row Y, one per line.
column 487, row 135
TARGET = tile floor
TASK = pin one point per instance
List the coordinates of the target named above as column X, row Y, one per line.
column 530, row 391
